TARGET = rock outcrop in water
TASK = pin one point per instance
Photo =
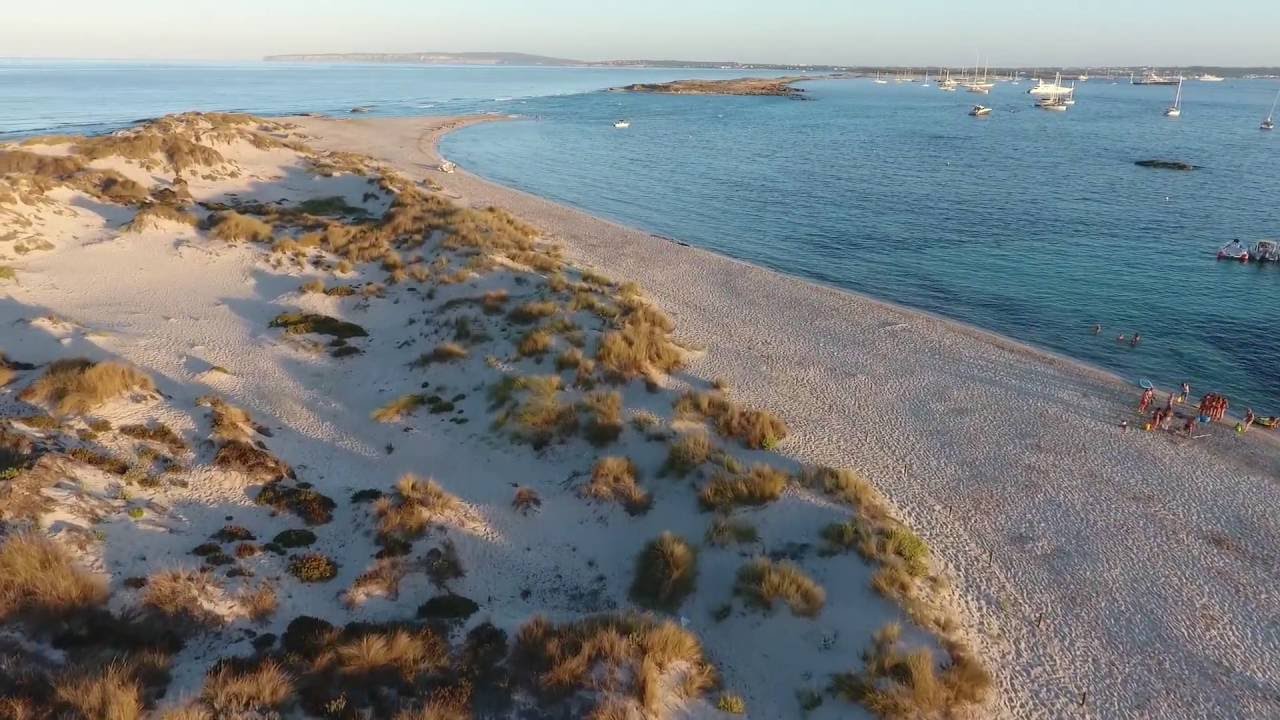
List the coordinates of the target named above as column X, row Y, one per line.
column 780, row 87
column 1167, row 165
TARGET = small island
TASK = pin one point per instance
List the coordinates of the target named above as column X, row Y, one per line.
column 780, row 87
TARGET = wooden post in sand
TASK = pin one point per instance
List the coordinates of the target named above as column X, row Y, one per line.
column 1084, row 697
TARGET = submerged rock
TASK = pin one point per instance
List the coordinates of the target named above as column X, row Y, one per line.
column 1166, row 165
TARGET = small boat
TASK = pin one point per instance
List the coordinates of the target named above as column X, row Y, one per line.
column 1045, row 89
column 1083, row 77
column 622, row 124
column 1209, row 78
column 1151, row 78
column 1234, row 251
column 879, row 80
column 1265, row 251
column 1269, row 122
column 980, row 111
column 1175, row 110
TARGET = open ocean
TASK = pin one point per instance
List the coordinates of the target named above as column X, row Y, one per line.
column 1034, row 225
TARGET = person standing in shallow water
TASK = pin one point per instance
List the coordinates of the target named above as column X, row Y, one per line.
column 1097, row 329
column 1136, row 339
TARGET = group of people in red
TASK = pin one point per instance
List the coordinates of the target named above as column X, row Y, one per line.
column 1213, row 406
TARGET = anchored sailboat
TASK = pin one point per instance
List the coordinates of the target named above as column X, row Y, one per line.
column 1175, row 110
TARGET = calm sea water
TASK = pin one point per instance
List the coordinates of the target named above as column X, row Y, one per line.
column 1032, row 224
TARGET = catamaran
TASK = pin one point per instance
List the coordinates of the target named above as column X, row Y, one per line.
column 1269, row 122
column 1234, row 250
column 1175, row 110
column 1265, row 251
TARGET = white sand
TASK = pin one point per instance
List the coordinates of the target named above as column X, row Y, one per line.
column 1136, row 568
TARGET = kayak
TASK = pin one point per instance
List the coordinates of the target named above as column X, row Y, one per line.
column 1145, row 384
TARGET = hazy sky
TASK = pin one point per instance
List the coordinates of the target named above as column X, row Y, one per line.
column 917, row 32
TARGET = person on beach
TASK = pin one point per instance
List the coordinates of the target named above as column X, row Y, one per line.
column 1173, row 400
column 1249, row 417
column 1147, row 396
column 1223, row 405
column 1186, row 392
column 1190, row 426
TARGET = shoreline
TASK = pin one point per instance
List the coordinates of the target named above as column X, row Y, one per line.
column 1007, row 458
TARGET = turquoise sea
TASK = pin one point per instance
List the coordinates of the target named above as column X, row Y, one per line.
column 1035, row 225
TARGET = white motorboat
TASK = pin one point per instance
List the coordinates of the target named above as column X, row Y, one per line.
column 980, row 111
column 1045, row 89
column 622, row 124
column 1083, row 77
column 1207, row 77
column 1151, row 78
column 1175, row 110
column 1265, row 251
column 1234, row 250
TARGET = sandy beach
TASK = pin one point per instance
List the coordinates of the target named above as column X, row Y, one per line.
column 407, row 438
column 1111, row 574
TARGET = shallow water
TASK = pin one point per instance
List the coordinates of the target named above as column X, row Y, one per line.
column 1032, row 224
column 1036, row 225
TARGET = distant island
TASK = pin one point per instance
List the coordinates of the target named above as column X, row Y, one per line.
column 782, row 87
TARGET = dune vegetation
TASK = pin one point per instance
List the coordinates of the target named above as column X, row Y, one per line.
column 538, row 415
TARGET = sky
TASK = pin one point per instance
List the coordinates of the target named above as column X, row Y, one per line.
column 853, row 32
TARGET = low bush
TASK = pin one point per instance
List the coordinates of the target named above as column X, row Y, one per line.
column 533, row 409
column 259, row 464
column 763, row 582
column 313, row 507
column 313, row 568
column 314, row 323
column 666, row 571
column 157, row 433
column 178, row 597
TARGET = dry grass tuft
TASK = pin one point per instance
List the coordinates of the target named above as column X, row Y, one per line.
column 901, row 684
column 39, row 582
column 111, row 693
column 404, row 653
column 446, row 352
column 231, row 226
column 604, row 417
column 532, row 312
column 526, row 500
column 533, row 408
column 688, row 453
column 762, row 582
column 397, row 409
column 759, row 486
column 76, row 386
column 178, row 597
column 260, row 603
column 233, row 690
column 724, row 532
column 666, row 571
column 535, row 343
column 756, row 429
column 613, row 479
column 154, row 217
column 157, row 433
column 614, row 661
column 641, row 347
column 417, row 503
